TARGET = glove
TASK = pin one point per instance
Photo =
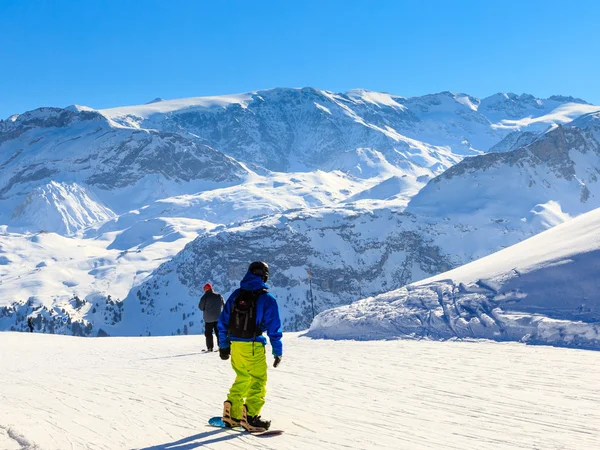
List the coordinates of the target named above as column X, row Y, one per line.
column 224, row 353
column 277, row 361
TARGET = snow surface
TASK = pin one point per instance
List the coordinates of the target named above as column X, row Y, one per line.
column 61, row 392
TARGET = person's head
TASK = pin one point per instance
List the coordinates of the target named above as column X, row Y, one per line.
column 207, row 287
column 261, row 269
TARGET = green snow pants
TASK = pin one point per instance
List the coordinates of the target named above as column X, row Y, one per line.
column 250, row 385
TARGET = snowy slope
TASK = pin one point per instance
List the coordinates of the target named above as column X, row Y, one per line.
column 541, row 184
column 542, row 290
column 259, row 195
column 50, row 277
column 63, row 392
column 389, row 189
column 62, row 208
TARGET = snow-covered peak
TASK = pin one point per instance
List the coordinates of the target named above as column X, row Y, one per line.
column 510, row 102
column 518, row 112
column 376, row 98
column 79, row 108
column 178, row 105
column 550, row 179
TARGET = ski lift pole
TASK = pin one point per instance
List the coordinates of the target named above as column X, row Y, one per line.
column 312, row 303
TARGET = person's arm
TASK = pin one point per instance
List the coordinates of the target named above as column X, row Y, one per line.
column 202, row 304
column 223, row 324
column 273, row 325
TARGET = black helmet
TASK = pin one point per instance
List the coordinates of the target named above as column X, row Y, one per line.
column 261, row 269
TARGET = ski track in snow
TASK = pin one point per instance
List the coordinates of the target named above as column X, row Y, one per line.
column 157, row 394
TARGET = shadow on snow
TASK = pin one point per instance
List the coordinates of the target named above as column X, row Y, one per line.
column 195, row 441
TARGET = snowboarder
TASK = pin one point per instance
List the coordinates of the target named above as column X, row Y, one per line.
column 211, row 304
column 30, row 324
column 249, row 312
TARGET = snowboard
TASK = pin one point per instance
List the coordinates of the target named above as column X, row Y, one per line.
column 218, row 422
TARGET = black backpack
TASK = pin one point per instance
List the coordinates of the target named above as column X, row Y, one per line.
column 242, row 322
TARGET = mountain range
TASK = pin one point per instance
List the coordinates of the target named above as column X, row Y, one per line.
column 115, row 218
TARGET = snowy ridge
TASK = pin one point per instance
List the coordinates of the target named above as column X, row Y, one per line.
column 302, row 129
column 542, row 290
column 161, row 106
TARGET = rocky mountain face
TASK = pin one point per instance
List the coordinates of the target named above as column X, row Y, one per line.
column 350, row 254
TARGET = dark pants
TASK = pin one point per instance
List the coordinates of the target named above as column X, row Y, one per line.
column 208, row 333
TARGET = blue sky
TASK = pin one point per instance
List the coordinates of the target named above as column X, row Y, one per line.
column 111, row 53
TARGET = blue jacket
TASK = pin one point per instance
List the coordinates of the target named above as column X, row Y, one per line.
column 267, row 316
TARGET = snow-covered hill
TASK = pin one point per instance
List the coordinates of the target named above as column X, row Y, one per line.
column 543, row 290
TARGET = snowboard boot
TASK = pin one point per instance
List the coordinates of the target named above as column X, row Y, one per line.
column 229, row 421
column 253, row 424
